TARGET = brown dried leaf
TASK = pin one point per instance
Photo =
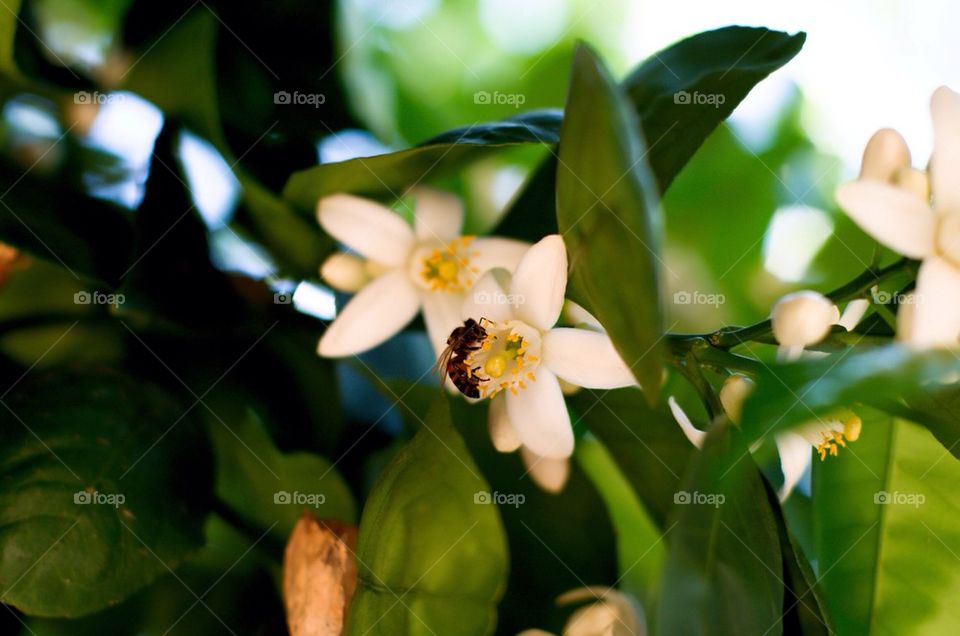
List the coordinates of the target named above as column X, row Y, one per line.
column 319, row 576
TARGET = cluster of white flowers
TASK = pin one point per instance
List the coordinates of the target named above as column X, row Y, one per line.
column 516, row 291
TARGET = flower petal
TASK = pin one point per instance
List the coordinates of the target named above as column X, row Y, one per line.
column 366, row 227
column 695, row 435
column 853, row 313
column 438, row 215
column 586, row 358
column 502, row 433
column 488, row 299
column 441, row 313
column 490, row 252
column 550, row 474
column 945, row 162
column 540, row 417
column 935, row 321
column 898, row 219
column 379, row 311
column 576, row 316
column 540, row 283
column 345, row 272
column 796, row 454
column 886, row 153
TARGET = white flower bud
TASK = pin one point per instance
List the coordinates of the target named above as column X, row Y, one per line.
column 803, row 318
column 734, row 391
column 345, row 272
column 886, row 153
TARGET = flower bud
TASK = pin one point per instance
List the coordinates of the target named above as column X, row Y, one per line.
column 803, row 318
column 886, row 153
column 345, row 272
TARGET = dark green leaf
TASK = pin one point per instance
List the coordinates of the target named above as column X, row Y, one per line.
column 724, row 567
column 729, row 62
column 610, row 219
column 647, row 444
column 78, row 437
column 392, row 173
column 432, row 557
column 790, row 394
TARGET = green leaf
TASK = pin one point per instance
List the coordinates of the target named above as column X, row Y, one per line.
column 886, row 532
column 728, row 61
column 610, row 219
column 93, row 436
column 267, row 486
column 432, row 557
column 724, row 566
column 641, row 550
column 790, row 394
column 646, row 444
column 390, row 174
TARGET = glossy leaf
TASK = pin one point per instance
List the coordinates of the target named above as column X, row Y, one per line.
column 105, row 490
column 728, row 62
column 609, row 216
column 724, row 566
column 392, row 173
column 432, row 552
column 886, row 532
column 790, row 394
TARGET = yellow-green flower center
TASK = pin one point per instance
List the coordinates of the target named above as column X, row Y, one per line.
column 507, row 357
column 447, row 268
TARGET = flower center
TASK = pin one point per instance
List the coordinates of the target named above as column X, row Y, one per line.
column 507, row 357
column 447, row 267
column 845, row 428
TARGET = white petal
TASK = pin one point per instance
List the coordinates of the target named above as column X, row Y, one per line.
column 803, row 318
column 914, row 181
column 695, row 435
column 853, row 313
column 441, row 313
column 576, row 316
column 550, row 474
column 886, row 153
column 891, row 215
column 945, row 163
column 438, row 215
column 733, row 393
column 488, row 299
column 796, row 454
column 539, row 415
column 502, row 433
column 490, row 252
column 379, row 311
column 540, row 283
column 936, row 315
column 585, row 358
column 366, row 227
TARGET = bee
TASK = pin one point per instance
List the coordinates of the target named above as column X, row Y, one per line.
column 453, row 361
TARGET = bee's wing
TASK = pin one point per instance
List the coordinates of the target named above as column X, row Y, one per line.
column 440, row 367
